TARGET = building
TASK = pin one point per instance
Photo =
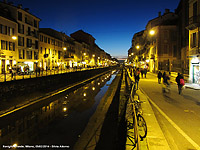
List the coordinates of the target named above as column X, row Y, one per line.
column 183, row 36
column 8, row 43
column 194, row 41
column 50, row 49
column 27, row 35
column 156, row 47
column 92, row 55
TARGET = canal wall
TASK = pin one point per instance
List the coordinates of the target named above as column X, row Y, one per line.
column 45, row 84
column 102, row 127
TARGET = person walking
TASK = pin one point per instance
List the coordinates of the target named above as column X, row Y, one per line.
column 166, row 83
column 145, row 73
column 159, row 76
column 137, row 77
column 180, row 82
column 142, row 72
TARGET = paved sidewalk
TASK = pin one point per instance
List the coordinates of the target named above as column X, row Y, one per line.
column 155, row 139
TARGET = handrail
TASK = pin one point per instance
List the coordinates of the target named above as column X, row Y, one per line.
column 136, row 134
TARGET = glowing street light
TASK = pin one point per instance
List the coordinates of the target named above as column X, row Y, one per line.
column 14, row 37
column 64, row 48
column 137, row 47
column 152, row 32
column 93, row 55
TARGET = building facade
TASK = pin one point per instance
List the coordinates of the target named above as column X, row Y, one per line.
column 194, row 41
column 155, row 48
column 27, row 35
column 8, row 43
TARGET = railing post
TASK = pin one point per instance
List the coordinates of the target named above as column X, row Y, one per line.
column 4, row 76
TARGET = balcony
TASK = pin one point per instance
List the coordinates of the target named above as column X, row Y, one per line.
column 194, row 22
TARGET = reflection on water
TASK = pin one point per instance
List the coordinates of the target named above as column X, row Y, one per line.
column 58, row 120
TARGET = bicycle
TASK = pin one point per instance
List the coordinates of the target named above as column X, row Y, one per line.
column 140, row 120
column 142, row 126
column 166, row 88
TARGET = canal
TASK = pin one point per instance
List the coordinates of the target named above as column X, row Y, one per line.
column 56, row 121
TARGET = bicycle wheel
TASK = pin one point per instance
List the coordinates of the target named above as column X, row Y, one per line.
column 142, row 126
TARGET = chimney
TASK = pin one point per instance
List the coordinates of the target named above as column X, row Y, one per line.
column 19, row 6
column 159, row 14
column 166, row 11
column 26, row 9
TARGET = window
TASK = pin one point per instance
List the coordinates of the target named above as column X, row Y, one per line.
column 193, row 40
column 10, row 46
column 20, row 41
column 21, row 28
column 35, row 55
column 35, row 23
column 48, row 40
column 20, row 16
column 59, row 54
column 28, row 54
column 52, row 41
column 21, row 54
column 45, row 39
column 195, row 9
column 41, row 50
column 41, row 38
column 36, row 44
column 29, row 42
column 3, row 44
column 1, row 28
column 29, row 31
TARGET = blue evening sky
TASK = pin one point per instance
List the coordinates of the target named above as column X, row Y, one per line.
column 111, row 22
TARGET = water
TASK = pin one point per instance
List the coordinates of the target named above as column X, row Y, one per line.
column 60, row 120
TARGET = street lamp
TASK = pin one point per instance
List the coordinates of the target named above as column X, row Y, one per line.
column 14, row 37
column 137, row 47
column 64, row 48
column 152, row 32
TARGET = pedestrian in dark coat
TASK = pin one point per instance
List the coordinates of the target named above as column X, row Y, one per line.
column 145, row 73
column 137, row 77
column 178, row 78
column 142, row 72
column 159, row 76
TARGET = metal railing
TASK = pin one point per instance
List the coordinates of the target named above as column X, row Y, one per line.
column 23, row 75
column 134, row 126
